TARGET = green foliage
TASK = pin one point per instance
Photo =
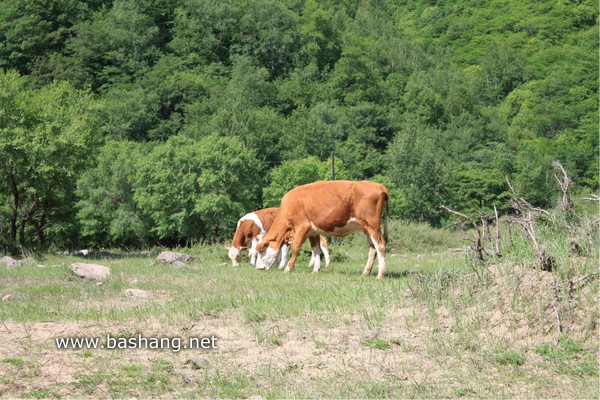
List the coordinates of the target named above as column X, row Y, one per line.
column 195, row 190
column 290, row 174
column 417, row 170
column 46, row 138
column 442, row 100
column 107, row 211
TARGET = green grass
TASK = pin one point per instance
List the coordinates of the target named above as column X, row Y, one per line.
column 438, row 325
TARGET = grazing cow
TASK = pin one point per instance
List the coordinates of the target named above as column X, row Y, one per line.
column 250, row 229
column 334, row 208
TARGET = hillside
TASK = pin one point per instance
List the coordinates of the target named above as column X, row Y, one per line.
column 131, row 123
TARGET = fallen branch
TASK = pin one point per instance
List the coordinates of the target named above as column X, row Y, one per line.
column 559, row 326
column 3, row 323
column 572, row 283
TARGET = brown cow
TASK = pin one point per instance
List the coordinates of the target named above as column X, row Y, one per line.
column 334, row 208
column 250, row 229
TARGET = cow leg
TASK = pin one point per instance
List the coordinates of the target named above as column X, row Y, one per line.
column 295, row 250
column 379, row 243
column 371, row 259
column 325, row 250
column 284, row 255
column 376, row 247
column 316, row 253
column 299, row 239
column 252, row 251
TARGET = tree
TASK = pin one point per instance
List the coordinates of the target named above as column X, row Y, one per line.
column 268, row 34
column 30, row 30
column 417, row 167
column 197, row 190
column 423, row 103
column 295, row 173
column 501, row 72
column 203, row 30
column 107, row 212
column 46, row 138
column 115, row 46
column 320, row 40
column 353, row 80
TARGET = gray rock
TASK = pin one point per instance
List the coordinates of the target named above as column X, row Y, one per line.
column 142, row 294
column 90, row 271
column 11, row 262
column 178, row 264
column 170, row 257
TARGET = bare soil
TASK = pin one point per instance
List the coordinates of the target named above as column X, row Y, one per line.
column 418, row 350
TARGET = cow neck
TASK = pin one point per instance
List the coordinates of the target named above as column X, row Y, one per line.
column 254, row 218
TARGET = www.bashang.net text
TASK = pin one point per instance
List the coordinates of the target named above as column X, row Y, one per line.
column 175, row 344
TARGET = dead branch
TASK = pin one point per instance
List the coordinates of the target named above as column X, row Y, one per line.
column 559, row 325
column 477, row 241
column 471, row 220
column 564, row 184
column 484, row 218
column 526, row 214
column 593, row 197
column 3, row 323
column 572, row 282
column 498, row 253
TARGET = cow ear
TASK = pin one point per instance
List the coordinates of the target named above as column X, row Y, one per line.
column 227, row 248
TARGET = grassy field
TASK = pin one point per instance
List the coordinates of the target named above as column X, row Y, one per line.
column 439, row 324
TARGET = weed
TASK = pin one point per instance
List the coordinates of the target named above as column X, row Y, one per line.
column 16, row 362
column 132, row 371
column 376, row 343
column 508, row 357
column 162, row 366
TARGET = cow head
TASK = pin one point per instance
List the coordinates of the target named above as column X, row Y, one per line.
column 266, row 255
column 235, row 254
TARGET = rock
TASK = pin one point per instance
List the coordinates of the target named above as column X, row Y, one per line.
column 178, row 265
column 170, row 257
column 142, row 294
column 11, row 262
column 91, row 271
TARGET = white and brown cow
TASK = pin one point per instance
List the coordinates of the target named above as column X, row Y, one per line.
column 252, row 226
column 333, row 208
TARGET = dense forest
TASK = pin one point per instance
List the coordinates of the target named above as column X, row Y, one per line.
column 161, row 122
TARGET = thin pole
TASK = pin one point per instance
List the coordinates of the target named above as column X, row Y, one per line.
column 332, row 165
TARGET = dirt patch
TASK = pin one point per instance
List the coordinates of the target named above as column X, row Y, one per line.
column 434, row 345
column 284, row 349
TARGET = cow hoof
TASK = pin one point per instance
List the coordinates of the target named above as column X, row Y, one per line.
column 287, row 270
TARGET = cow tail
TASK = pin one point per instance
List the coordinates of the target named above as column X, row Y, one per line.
column 387, row 213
